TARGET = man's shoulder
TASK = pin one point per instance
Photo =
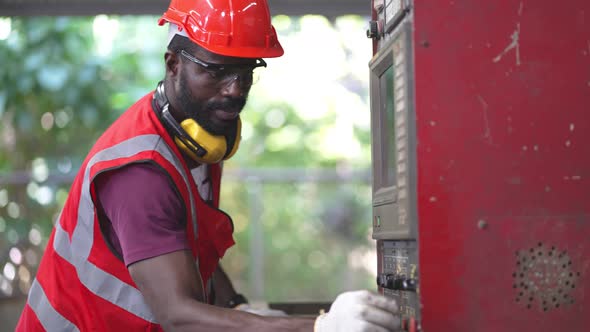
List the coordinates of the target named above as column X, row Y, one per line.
column 136, row 173
column 137, row 179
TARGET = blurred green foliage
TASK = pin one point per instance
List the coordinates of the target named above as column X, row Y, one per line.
column 64, row 80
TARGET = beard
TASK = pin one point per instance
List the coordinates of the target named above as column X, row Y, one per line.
column 202, row 111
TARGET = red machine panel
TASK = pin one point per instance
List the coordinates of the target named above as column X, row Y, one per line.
column 499, row 170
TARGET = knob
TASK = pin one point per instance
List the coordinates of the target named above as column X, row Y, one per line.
column 386, row 281
column 373, row 31
column 396, row 282
column 409, row 285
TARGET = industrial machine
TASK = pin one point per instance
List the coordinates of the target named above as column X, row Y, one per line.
column 480, row 116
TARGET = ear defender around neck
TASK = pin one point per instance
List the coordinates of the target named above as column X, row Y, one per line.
column 192, row 139
column 215, row 146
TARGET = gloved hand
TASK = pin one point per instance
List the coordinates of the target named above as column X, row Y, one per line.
column 360, row 311
column 260, row 311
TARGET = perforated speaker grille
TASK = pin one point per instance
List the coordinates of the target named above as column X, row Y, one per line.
column 544, row 278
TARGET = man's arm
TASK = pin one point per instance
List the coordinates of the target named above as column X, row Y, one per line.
column 171, row 287
column 143, row 212
column 224, row 289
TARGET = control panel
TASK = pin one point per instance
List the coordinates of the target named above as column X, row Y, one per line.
column 397, row 277
column 393, row 156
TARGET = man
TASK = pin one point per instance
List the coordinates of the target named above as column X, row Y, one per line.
column 143, row 207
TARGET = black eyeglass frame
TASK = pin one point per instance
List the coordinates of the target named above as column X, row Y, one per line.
column 221, row 67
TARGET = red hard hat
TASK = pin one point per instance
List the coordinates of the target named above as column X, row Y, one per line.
column 238, row 28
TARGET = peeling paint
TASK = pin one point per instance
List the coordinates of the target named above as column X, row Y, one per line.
column 520, row 8
column 450, row 164
column 524, row 148
column 487, row 132
column 515, row 180
column 515, row 44
column 573, row 177
column 568, row 143
column 433, row 199
column 536, row 148
column 482, row 224
column 547, row 189
column 432, row 123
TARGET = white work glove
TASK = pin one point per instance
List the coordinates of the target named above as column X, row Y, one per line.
column 360, row 311
column 260, row 311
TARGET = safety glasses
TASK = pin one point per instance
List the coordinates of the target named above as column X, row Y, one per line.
column 224, row 74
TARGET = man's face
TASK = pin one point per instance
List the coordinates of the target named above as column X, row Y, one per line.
column 213, row 99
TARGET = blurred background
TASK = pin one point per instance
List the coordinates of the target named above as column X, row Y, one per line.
column 298, row 189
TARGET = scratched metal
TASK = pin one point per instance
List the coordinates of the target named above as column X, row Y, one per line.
column 502, row 95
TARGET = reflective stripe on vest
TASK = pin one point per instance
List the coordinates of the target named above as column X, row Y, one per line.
column 50, row 319
column 76, row 252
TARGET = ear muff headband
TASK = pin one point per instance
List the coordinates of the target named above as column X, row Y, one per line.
column 194, row 140
column 236, row 144
column 182, row 136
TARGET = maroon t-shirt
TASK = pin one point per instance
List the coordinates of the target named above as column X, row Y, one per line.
column 142, row 216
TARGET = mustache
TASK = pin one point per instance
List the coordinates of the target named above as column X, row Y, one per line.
column 226, row 104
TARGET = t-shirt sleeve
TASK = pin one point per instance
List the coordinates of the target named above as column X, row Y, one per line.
column 145, row 211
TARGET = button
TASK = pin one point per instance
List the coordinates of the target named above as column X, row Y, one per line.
column 377, row 221
column 409, row 285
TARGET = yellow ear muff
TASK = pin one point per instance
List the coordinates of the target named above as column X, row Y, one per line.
column 191, row 138
column 215, row 146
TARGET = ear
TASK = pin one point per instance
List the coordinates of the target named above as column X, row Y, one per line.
column 172, row 62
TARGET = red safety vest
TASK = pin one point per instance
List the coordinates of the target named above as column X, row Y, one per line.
column 80, row 284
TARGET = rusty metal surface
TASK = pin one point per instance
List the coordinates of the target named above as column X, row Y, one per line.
column 503, row 126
